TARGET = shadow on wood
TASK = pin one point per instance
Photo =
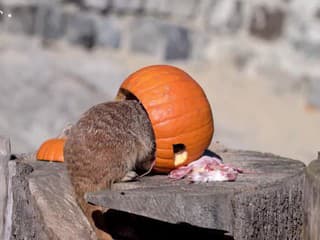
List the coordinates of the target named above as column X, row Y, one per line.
column 126, row 226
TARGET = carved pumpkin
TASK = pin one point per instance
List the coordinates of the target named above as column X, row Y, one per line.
column 178, row 110
column 51, row 150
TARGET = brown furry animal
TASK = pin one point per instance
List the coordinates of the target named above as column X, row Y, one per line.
column 108, row 142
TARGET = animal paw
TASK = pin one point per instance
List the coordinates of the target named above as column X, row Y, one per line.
column 130, row 176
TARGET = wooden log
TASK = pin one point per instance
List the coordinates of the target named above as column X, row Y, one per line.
column 44, row 205
column 9, row 208
column 266, row 203
column 4, row 158
column 312, row 201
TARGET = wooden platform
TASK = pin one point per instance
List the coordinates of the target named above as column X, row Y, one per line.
column 266, row 203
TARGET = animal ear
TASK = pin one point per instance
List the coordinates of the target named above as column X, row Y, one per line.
column 51, row 150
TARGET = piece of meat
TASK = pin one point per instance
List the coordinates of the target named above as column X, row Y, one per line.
column 206, row 169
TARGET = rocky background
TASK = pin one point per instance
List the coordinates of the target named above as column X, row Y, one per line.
column 257, row 61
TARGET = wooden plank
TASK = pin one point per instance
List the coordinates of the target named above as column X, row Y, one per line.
column 44, row 205
column 5, row 152
column 312, row 201
column 264, row 204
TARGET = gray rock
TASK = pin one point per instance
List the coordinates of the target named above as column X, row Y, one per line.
column 97, row 4
column 199, row 42
column 267, row 23
column 177, row 9
column 301, row 30
column 182, row 9
column 317, row 14
column 225, row 16
column 147, row 36
column 178, row 44
column 131, row 6
column 307, row 47
column 15, row 3
column 108, row 32
column 303, row 35
column 155, row 7
column 271, row 195
column 24, row 3
column 49, row 22
column 23, row 20
column 160, row 39
column 313, row 92
column 44, row 204
column 80, row 29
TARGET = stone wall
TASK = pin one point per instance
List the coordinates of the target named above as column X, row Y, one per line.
column 274, row 38
column 45, row 86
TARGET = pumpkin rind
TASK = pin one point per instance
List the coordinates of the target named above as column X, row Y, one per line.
column 178, row 110
column 51, row 150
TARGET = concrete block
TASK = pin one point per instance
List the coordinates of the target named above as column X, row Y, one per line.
column 49, row 22
column 97, row 4
column 23, row 20
column 80, row 29
column 177, row 9
column 225, row 16
column 155, row 7
column 182, row 9
column 108, row 32
column 20, row 3
column 146, row 36
column 267, row 23
column 126, row 6
column 178, row 43
column 159, row 39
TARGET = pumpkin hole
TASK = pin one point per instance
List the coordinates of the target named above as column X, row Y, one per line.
column 124, row 94
column 180, row 154
column 180, row 147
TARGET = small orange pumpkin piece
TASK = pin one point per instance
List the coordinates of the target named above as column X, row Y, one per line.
column 178, row 110
column 51, row 150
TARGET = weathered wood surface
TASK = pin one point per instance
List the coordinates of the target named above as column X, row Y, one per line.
column 312, row 201
column 264, row 204
column 9, row 207
column 44, row 206
column 4, row 172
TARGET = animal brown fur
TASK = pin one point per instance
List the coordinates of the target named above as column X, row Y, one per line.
column 110, row 140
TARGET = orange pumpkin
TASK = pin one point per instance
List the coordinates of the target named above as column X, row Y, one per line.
column 51, row 150
column 178, row 110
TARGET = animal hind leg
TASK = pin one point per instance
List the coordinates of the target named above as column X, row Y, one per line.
column 93, row 213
